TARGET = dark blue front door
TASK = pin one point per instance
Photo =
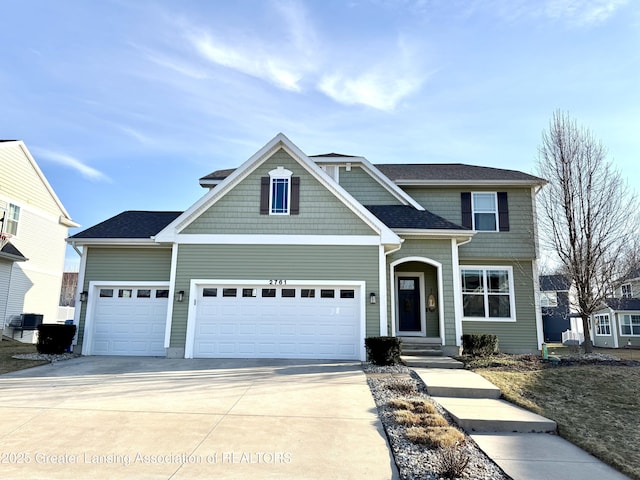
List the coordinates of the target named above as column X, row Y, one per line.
column 409, row 304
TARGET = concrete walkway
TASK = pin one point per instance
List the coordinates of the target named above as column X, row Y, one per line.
column 158, row 418
column 503, row 431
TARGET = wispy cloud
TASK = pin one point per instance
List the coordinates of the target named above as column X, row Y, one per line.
column 582, row 12
column 72, row 162
column 381, row 86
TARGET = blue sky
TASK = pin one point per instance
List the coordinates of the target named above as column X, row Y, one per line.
column 125, row 104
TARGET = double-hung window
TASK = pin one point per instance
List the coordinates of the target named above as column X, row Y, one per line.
column 603, row 324
column 12, row 216
column 487, row 293
column 626, row 290
column 630, row 325
column 485, row 211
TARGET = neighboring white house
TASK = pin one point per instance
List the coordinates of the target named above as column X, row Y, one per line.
column 36, row 222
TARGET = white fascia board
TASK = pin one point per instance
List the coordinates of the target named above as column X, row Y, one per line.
column 44, row 180
column 457, row 183
column 113, row 241
column 389, row 185
column 251, row 239
column 168, row 234
column 435, row 233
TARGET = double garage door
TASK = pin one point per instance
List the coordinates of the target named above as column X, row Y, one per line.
column 277, row 321
column 129, row 321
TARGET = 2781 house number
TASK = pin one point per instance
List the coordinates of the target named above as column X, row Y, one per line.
column 277, row 282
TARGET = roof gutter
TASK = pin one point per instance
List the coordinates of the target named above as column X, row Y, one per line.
column 464, row 235
column 111, row 241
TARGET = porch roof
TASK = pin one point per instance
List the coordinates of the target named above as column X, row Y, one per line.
column 407, row 217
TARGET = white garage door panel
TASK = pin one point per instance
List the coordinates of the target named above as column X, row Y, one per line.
column 278, row 327
column 131, row 325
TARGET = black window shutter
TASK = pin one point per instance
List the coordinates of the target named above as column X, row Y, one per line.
column 503, row 212
column 264, row 195
column 295, row 196
column 465, row 199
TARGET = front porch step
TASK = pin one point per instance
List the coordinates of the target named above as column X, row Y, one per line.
column 490, row 415
column 424, row 351
column 439, row 362
column 420, row 340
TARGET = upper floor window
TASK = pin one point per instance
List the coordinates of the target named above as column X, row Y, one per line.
column 485, row 211
column 280, row 192
column 12, row 216
column 627, row 291
column 548, row 299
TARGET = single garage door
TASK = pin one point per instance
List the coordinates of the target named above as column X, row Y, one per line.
column 130, row 321
column 319, row 322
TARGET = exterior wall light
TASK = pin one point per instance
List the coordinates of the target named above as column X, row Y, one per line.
column 180, row 297
column 84, row 296
column 372, row 298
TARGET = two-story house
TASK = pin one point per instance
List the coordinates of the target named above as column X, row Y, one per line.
column 296, row 256
column 34, row 225
column 617, row 323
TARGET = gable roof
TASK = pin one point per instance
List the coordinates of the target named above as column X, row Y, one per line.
column 10, row 252
column 559, row 283
column 280, row 141
column 454, row 174
column 131, row 224
column 65, row 218
column 404, row 216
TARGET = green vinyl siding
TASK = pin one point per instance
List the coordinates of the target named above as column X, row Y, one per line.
column 124, row 264
column 264, row 262
column 364, row 188
column 439, row 251
column 521, row 335
column 238, row 212
column 518, row 242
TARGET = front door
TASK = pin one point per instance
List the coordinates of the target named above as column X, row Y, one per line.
column 409, row 310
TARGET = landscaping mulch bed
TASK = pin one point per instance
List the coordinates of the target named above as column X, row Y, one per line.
column 416, row 461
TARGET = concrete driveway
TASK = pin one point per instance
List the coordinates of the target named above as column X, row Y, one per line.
column 128, row 417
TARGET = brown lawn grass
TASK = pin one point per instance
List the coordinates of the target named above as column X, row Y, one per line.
column 596, row 407
column 10, row 347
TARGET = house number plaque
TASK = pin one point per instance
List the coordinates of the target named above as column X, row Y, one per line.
column 277, row 282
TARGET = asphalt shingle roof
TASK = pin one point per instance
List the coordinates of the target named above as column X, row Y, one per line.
column 10, row 250
column 426, row 171
column 452, row 172
column 130, row 224
column 560, row 283
column 405, row 216
column 623, row 303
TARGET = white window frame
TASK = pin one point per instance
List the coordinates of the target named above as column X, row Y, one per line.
column 12, row 218
column 603, row 322
column 474, row 210
column 629, row 293
column 278, row 174
column 549, row 299
column 486, row 294
column 622, row 323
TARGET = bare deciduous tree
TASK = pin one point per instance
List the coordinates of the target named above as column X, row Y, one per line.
column 586, row 212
